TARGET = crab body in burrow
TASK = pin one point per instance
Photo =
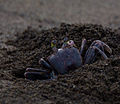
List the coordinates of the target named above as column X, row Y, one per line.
column 66, row 58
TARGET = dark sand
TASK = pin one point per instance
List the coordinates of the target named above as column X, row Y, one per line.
column 24, row 39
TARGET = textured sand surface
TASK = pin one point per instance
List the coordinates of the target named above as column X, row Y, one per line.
column 21, row 46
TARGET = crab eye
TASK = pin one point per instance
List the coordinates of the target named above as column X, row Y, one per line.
column 71, row 42
column 53, row 43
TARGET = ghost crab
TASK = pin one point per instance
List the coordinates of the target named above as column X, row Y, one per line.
column 66, row 58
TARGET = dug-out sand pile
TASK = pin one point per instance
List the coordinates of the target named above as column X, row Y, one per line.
column 97, row 83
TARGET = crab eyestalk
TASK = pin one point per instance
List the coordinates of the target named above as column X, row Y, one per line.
column 53, row 46
column 65, row 40
column 82, row 45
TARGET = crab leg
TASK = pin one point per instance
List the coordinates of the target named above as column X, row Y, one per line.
column 107, row 48
column 94, row 42
column 102, row 45
column 45, row 64
column 101, row 52
column 33, row 74
column 35, row 70
column 91, row 55
column 82, row 45
column 37, row 75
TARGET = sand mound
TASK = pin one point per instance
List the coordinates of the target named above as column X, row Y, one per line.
column 95, row 83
